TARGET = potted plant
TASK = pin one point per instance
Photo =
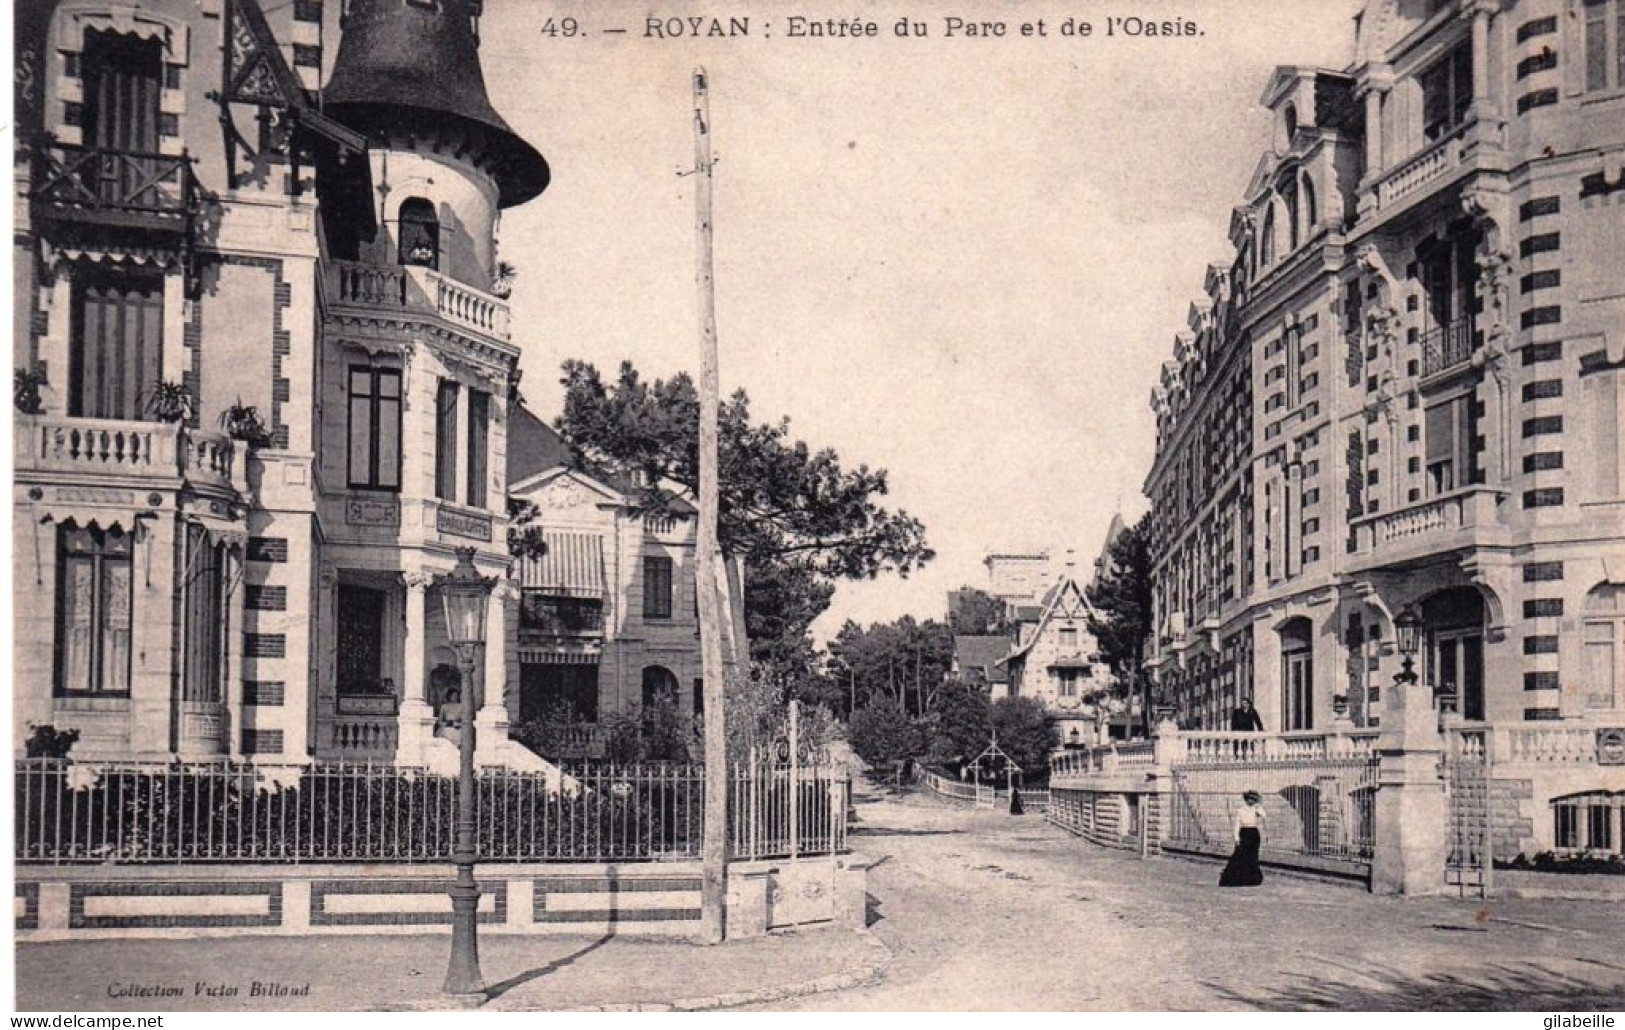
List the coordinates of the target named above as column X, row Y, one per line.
column 25, row 391
column 170, row 402
column 1340, row 705
column 243, row 422
column 502, row 282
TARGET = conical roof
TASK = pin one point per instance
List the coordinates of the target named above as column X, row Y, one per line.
column 412, row 64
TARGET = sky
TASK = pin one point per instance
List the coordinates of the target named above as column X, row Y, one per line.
column 962, row 260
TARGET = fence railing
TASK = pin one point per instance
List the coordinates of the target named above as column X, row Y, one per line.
column 191, row 813
column 1317, row 807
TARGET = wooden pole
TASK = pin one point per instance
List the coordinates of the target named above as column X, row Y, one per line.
column 713, row 850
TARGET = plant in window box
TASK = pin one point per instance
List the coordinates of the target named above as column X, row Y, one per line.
column 1340, row 705
column 25, row 391
column 243, row 422
column 170, row 402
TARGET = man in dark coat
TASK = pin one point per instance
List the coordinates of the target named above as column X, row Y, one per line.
column 1245, row 719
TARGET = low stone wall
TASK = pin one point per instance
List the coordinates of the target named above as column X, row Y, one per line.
column 651, row 899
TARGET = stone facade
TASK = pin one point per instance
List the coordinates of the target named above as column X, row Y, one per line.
column 203, row 586
column 1054, row 659
column 1404, row 393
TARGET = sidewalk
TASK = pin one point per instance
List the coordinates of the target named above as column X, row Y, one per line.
column 404, row 972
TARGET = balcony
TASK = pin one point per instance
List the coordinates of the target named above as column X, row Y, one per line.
column 114, row 188
column 1456, row 520
column 116, row 451
column 1448, row 348
column 414, row 290
column 1471, row 147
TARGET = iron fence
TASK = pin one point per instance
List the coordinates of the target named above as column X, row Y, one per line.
column 339, row 812
column 1323, row 808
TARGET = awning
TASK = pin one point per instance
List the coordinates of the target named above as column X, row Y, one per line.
column 572, row 567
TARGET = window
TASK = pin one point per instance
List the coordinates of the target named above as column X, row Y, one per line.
column 1589, row 821
column 116, row 345
column 419, row 233
column 1450, row 457
column 541, row 612
column 1447, row 93
column 375, row 428
column 204, row 588
column 94, row 598
column 360, row 639
column 445, row 441
column 1069, row 681
column 1297, row 679
column 1604, row 64
column 1069, row 638
column 657, row 592
column 1603, row 639
column 479, row 429
column 122, row 77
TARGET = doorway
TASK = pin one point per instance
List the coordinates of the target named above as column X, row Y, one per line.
column 1454, row 661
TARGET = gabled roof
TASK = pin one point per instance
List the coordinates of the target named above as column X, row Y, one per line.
column 981, row 654
column 533, row 445
column 1064, row 594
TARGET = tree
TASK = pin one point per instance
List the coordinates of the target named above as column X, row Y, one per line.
column 1122, row 620
column 903, row 662
column 1025, row 734
column 796, row 516
column 973, row 612
column 882, row 735
column 962, row 724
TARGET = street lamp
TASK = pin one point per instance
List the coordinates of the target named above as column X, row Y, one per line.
column 1408, row 626
column 464, row 593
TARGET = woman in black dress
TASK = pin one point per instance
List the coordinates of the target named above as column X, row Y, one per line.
column 1242, row 870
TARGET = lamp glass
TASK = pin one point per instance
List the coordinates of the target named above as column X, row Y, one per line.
column 1408, row 626
column 463, row 594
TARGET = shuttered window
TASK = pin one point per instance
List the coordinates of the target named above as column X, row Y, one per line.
column 445, row 442
column 116, row 348
column 479, row 431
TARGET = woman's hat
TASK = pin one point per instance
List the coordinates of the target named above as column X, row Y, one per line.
column 1252, row 795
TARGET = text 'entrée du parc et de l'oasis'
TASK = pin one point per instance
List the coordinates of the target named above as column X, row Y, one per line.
column 903, row 26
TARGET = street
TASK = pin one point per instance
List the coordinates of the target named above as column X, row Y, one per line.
column 983, row 910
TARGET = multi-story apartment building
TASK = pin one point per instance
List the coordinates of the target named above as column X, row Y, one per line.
column 1404, row 391
column 260, row 282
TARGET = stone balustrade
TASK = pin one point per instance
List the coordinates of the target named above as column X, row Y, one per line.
column 115, row 449
column 414, row 289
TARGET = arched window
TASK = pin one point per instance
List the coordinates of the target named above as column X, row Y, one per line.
column 1289, row 121
column 1266, row 250
column 1297, row 674
column 1310, row 215
column 1289, row 195
column 419, row 233
column 658, row 682
column 1603, row 636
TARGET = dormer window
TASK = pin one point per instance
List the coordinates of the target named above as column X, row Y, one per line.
column 419, row 234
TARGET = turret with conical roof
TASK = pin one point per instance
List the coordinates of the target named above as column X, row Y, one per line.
column 408, row 75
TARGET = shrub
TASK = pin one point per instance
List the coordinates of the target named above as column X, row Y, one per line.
column 882, row 735
column 49, row 742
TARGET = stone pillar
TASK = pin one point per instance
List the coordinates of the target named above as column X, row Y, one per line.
column 491, row 723
column 232, row 643
column 1483, row 107
column 1411, row 807
column 1373, row 131
column 416, row 721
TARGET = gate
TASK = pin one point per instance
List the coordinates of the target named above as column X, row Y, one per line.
column 1469, row 863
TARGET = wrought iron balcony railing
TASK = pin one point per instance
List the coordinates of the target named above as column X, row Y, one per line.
column 120, row 188
column 1447, row 346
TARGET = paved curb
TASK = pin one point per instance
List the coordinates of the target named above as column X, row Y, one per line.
column 862, row 975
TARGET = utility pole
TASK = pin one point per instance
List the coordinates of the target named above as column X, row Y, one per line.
column 714, row 842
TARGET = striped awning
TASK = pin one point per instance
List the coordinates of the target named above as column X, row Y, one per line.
column 572, row 567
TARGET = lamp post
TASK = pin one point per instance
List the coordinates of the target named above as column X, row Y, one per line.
column 1408, row 626
column 464, row 593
